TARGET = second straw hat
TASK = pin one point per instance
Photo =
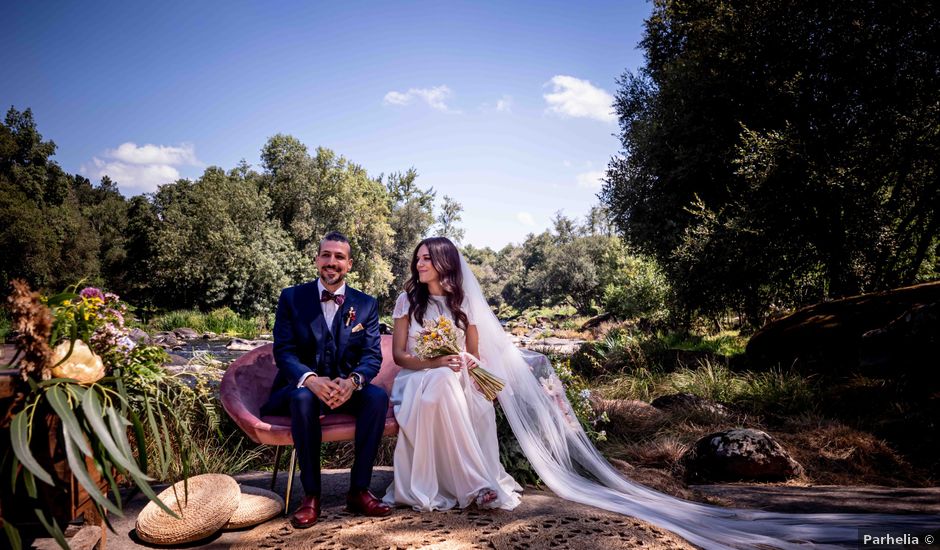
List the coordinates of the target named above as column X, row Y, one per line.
column 255, row 506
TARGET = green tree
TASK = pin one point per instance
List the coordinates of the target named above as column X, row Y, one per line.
column 217, row 245
column 632, row 286
column 43, row 236
column 781, row 152
column 411, row 216
column 448, row 219
column 106, row 211
column 137, row 286
column 314, row 195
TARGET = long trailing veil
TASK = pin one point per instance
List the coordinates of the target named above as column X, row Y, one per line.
column 566, row 460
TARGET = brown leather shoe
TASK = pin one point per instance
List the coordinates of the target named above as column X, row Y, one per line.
column 307, row 514
column 363, row 502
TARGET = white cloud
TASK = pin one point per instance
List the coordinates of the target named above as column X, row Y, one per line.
column 140, row 169
column 435, row 97
column 153, row 154
column 573, row 97
column 525, row 218
column 504, row 104
column 591, row 180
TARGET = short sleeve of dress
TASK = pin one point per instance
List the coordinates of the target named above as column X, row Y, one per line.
column 401, row 306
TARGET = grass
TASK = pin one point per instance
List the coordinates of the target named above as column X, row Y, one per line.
column 727, row 343
column 221, row 321
column 771, row 392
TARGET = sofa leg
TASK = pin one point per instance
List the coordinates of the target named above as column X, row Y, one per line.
column 277, row 461
column 292, row 463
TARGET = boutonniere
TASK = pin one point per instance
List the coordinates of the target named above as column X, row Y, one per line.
column 350, row 315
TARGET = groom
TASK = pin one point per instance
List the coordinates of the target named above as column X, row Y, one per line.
column 327, row 350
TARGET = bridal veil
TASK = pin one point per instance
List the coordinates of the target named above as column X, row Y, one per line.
column 568, row 463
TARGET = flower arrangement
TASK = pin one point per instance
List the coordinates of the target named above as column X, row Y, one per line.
column 439, row 337
column 76, row 362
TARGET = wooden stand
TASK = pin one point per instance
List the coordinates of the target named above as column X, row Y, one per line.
column 66, row 501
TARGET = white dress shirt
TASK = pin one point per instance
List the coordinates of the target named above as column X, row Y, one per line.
column 329, row 309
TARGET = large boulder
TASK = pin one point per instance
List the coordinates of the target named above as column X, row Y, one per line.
column 139, row 336
column 827, row 337
column 167, row 340
column 739, row 455
column 907, row 340
column 186, row 333
column 240, row 344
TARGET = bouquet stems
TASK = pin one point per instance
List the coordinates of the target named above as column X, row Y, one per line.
column 489, row 384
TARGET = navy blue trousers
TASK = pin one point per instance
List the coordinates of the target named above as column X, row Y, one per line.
column 369, row 406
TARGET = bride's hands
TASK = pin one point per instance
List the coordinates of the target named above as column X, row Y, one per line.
column 452, row 362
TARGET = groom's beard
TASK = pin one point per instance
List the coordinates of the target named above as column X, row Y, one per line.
column 331, row 278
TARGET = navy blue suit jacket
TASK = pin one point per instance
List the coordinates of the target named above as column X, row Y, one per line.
column 304, row 343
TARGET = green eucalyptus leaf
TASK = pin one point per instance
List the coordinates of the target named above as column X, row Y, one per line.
column 60, row 404
column 13, row 535
column 119, row 426
column 94, row 415
column 139, row 438
column 147, row 490
column 108, row 469
column 19, row 440
column 14, row 469
column 52, row 528
column 80, row 471
column 30, row 483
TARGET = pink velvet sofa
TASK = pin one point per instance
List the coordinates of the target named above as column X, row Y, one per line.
column 246, row 386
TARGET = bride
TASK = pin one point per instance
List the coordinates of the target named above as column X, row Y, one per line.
column 447, row 452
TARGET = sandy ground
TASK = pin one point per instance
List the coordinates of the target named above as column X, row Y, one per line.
column 541, row 521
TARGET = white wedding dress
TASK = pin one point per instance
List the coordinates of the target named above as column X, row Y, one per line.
column 447, row 450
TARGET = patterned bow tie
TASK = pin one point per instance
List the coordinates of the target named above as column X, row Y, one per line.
column 326, row 296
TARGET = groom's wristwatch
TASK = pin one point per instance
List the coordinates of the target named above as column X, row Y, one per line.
column 357, row 380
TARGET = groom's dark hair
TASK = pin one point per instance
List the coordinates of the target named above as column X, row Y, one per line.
column 334, row 236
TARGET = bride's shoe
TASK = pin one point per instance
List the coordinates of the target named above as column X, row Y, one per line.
column 484, row 497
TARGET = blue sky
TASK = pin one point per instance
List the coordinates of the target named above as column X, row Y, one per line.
column 502, row 105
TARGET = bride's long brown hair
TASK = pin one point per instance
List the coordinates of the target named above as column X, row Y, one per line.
column 446, row 260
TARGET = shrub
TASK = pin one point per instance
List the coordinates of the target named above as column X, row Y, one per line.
column 640, row 290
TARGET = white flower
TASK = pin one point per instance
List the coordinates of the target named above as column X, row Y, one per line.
column 585, row 394
column 602, row 435
column 552, row 385
column 82, row 365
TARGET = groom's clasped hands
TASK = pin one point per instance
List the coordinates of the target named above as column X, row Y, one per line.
column 334, row 392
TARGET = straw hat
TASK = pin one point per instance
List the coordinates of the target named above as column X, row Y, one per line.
column 255, row 506
column 211, row 501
